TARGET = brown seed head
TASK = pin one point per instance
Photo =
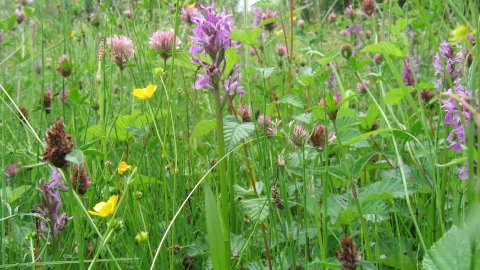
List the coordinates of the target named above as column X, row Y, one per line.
column 59, row 144
column 349, row 256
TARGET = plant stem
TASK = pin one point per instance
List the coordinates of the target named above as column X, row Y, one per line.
column 223, row 170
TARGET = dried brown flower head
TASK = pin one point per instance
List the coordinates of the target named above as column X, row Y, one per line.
column 276, row 197
column 349, row 256
column 59, row 144
column 84, row 181
column 23, row 114
column 317, row 139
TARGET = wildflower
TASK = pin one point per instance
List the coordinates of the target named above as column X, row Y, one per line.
column 2, row 36
column 269, row 15
column 257, row 15
column 11, row 170
column 349, row 256
column 20, row 15
column 159, row 72
column 265, row 123
column 350, row 13
column 460, row 34
column 299, row 134
column 407, row 73
column 361, row 86
column 245, row 112
column 368, row 34
column 64, row 66
column 162, row 42
column 50, row 204
column 252, row 52
column 301, row 23
column 127, row 13
column 332, row 17
column 141, row 237
column 145, row 93
column 105, row 209
column 37, row 67
column 368, row 7
column 426, row 95
column 188, row 13
column 346, row 50
column 212, row 36
column 281, row 50
column 280, row 160
column 84, row 181
column 23, row 114
column 59, row 144
column 332, row 78
column 378, row 59
column 63, row 95
column 122, row 48
column 123, row 167
column 93, row 19
column 47, row 100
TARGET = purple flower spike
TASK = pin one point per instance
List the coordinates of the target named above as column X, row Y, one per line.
column 212, row 37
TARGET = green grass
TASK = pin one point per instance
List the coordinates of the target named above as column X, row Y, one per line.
column 386, row 179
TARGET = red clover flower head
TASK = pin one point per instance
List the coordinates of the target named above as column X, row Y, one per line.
column 1, row 37
column 350, row 13
column 64, row 66
column 80, row 174
column 332, row 18
column 301, row 23
column 127, row 13
column 20, row 15
column 265, row 122
column 245, row 112
column 281, row 50
column 188, row 13
column 368, row 7
column 122, row 48
column 162, row 41
column 270, row 15
column 11, row 170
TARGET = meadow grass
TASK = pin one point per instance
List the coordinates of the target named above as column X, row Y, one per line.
column 354, row 145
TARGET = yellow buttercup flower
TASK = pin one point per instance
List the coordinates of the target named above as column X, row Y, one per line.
column 460, row 33
column 279, row 32
column 192, row 5
column 123, row 167
column 145, row 93
column 105, row 209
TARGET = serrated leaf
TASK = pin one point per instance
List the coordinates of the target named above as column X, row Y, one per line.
column 394, row 96
column 384, row 47
column 235, row 131
column 347, row 121
column 292, row 100
column 246, row 36
column 348, row 134
column 265, row 72
column 338, row 172
column 360, row 163
column 93, row 131
column 242, row 191
column 385, row 189
column 257, row 209
column 266, row 3
column 76, row 156
column 375, row 211
column 451, row 252
column 203, row 128
column 16, row 193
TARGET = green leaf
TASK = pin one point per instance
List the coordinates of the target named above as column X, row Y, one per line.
column 385, row 189
column 394, row 96
column 375, row 211
column 266, row 3
column 384, row 48
column 31, row 166
column 214, row 230
column 93, row 131
column 265, row 72
column 372, row 115
column 346, row 121
column 235, row 131
column 257, row 209
column 203, row 128
column 338, row 172
column 92, row 152
column 76, row 156
column 15, row 194
column 452, row 251
column 360, row 163
column 292, row 100
column 140, row 179
column 348, row 134
column 246, row 36
column 120, row 128
column 232, row 57
column 268, row 21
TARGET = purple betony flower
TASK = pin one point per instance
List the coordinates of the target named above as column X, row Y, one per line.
column 257, row 15
column 212, row 37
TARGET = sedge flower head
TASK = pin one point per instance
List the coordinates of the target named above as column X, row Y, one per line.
column 105, row 209
column 143, row 93
column 123, row 167
column 460, row 33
